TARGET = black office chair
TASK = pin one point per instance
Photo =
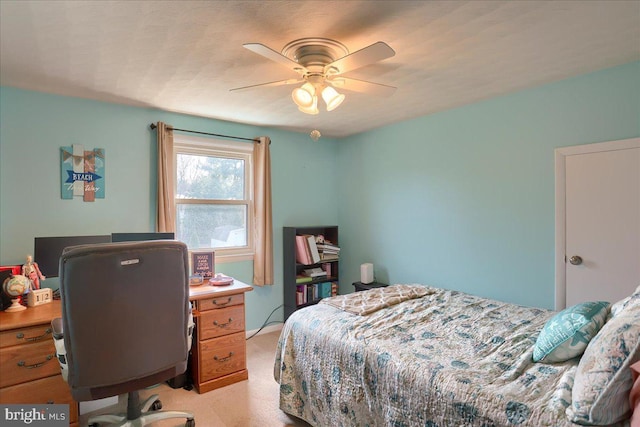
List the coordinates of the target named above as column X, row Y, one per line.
column 126, row 324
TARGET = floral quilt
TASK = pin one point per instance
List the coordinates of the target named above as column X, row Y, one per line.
column 445, row 359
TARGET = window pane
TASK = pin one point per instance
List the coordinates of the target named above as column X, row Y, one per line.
column 212, row 226
column 208, row 177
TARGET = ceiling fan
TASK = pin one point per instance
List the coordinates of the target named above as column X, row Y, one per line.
column 320, row 64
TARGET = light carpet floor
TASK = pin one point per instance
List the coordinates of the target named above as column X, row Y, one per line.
column 251, row 403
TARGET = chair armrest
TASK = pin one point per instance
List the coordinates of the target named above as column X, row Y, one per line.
column 58, row 328
column 190, row 327
column 61, row 352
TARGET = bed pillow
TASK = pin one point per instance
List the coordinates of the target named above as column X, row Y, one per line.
column 618, row 306
column 567, row 334
column 634, row 394
column 600, row 394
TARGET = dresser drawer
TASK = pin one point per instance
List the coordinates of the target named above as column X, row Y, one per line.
column 47, row 390
column 222, row 356
column 225, row 321
column 220, row 302
column 25, row 335
column 22, row 363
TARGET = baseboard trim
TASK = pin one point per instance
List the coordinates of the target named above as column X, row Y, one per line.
column 266, row 329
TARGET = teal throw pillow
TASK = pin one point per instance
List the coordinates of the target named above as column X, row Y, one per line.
column 567, row 334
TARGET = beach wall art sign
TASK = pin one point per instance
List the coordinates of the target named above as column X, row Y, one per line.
column 82, row 173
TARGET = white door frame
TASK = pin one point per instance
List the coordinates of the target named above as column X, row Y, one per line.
column 560, row 172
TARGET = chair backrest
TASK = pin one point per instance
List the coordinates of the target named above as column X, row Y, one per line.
column 125, row 311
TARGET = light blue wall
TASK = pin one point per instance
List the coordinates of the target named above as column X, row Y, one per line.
column 33, row 127
column 464, row 199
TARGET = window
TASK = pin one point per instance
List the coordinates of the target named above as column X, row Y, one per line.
column 213, row 195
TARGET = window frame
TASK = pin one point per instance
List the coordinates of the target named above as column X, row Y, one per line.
column 184, row 144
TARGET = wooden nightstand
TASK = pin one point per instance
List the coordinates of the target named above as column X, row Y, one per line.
column 365, row 287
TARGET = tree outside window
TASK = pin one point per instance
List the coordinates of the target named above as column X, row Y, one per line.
column 213, row 197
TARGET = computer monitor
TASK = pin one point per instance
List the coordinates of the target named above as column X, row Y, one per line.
column 135, row 237
column 47, row 250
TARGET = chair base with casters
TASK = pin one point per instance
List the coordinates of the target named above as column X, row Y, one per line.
column 140, row 414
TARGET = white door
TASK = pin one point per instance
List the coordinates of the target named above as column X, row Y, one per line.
column 601, row 253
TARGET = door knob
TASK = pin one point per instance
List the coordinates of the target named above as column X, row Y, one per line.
column 575, row 260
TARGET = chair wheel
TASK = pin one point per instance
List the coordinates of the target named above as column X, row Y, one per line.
column 190, row 423
column 156, row 406
column 94, row 425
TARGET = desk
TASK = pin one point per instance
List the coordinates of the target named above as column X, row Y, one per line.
column 219, row 350
column 29, row 369
column 218, row 354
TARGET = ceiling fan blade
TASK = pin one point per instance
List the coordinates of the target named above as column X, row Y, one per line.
column 363, row 86
column 271, row 54
column 365, row 56
column 270, row 84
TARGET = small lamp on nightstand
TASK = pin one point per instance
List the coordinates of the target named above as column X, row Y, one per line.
column 366, row 273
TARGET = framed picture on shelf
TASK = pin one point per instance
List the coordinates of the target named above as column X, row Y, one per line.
column 203, row 263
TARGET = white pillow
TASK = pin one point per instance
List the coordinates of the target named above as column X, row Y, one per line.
column 600, row 394
column 617, row 307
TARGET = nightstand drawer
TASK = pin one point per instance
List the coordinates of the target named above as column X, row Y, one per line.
column 220, row 302
column 225, row 321
column 47, row 390
column 222, row 356
column 22, row 363
column 25, row 336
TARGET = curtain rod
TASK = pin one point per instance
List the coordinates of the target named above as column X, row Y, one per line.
column 153, row 126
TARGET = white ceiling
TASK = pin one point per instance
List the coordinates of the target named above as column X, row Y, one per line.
column 184, row 56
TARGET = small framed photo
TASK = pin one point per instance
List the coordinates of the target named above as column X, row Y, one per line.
column 203, row 264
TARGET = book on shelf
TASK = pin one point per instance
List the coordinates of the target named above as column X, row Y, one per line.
column 314, row 272
column 329, row 257
column 328, row 247
column 303, row 256
column 328, row 251
column 315, row 291
column 301, row 294
column 313, row 249
column 312, row 293
column 325, row 289
column 303, row 279
column 327, row 267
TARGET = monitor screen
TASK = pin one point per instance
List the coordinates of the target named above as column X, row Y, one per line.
column 135, row 237
column 47, row 250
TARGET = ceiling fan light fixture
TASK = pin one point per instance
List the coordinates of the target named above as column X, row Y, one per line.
column 332, row 98
column 313, row 109
column 303, row 96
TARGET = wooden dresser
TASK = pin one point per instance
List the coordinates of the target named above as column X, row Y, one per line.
column 219, row 352
column 29, row 369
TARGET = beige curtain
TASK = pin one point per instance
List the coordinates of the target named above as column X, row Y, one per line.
column 165, row 219
column 263, row 234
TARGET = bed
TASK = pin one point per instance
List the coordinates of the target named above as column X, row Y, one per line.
column 438, row 358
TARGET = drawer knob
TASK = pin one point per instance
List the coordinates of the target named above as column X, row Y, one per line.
column 223, row 325
column 223, row 359
column 215, row 302
column 22, row 363
column 39, row 337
